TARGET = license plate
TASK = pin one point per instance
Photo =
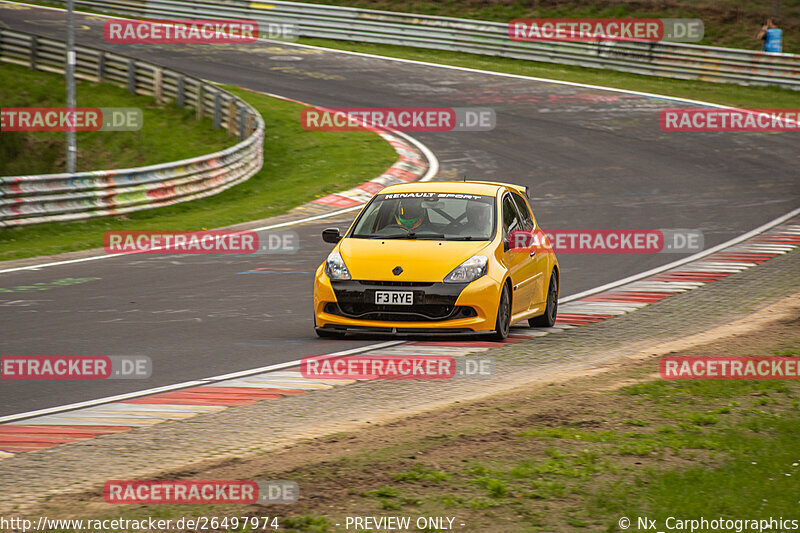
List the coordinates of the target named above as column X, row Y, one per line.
column 394, row 298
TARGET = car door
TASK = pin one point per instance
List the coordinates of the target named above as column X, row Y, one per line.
column 516, row 259
column 535, row 268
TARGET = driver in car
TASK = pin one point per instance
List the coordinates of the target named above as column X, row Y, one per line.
column 411, row 215
column 479, row 219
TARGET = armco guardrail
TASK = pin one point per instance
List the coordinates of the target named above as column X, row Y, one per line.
column 673, row 60
column 59, row 197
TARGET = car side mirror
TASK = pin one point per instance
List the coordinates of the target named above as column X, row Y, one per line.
column 331, row 235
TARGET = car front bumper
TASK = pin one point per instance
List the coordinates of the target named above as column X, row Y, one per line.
column 438, row 308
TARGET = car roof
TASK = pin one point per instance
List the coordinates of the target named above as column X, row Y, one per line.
column 489, row 188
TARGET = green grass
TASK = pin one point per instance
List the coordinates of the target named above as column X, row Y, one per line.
column 720, row 93
column 168, row 133
column 749, row 459
column 757, row 471
column 761, row 475
column 298, row 166
column 421, row 473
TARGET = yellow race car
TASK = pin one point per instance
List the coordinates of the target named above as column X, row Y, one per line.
column 437, row 258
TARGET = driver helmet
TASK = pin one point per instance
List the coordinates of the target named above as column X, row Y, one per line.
column 410, row 212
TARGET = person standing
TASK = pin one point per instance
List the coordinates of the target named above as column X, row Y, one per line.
column 771, row 37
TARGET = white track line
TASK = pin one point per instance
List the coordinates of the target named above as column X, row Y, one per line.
column 428, row 64
column 434, row 164
column 185, row 384
column 433, row 161
column 244, row 373
column 679, row 262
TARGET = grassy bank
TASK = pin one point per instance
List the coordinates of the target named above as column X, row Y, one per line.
column 298, row 166
column 169, row 133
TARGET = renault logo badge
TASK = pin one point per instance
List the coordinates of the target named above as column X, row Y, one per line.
column 397, row 270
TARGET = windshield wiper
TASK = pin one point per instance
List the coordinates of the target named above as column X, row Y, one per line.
column 415, row 235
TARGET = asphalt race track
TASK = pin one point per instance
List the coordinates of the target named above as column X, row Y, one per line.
column 593, row 158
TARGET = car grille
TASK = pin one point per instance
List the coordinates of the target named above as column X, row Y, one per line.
column 432, row 301
column 420, row 313
column 396, row 283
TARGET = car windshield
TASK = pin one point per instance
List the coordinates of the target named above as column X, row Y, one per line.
column 428, row 215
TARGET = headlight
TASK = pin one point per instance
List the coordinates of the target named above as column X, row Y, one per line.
column 335, row 267
column 470, row 270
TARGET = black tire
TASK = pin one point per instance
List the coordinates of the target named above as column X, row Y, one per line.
column 328, row 334
column 548, row 319
column 503, row 322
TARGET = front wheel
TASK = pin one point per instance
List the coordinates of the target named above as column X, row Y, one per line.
column 503, row 323
column 548, row 319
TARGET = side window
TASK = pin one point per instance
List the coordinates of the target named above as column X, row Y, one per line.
column 522, row 206
column 510, row 216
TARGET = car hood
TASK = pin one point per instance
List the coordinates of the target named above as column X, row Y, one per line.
column 421, row 260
